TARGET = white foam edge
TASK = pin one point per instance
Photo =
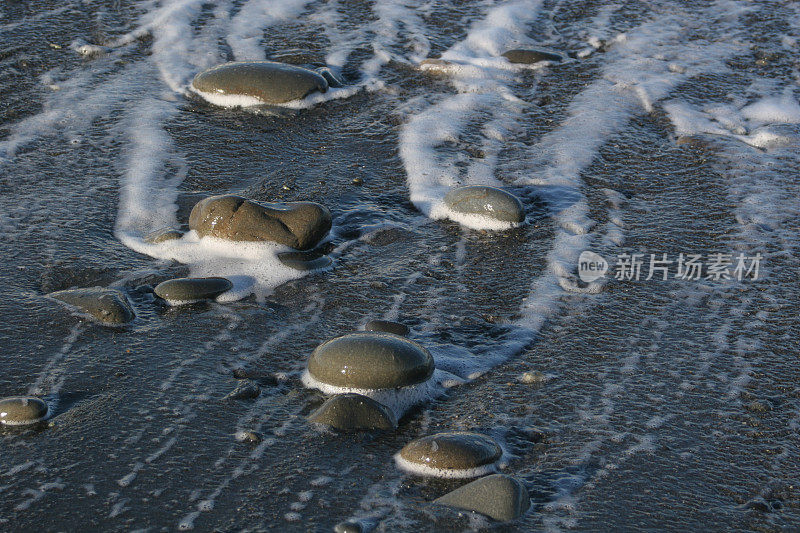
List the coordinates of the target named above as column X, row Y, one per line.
column 446, row 473
column 399, row 400
column 474, row 221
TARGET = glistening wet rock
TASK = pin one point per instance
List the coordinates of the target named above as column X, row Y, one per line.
column 530, row 56
column 22, row 411
column 354, row 412
column 370, row 361
column 266, row 82
column 451, row 454
column 246, row 389
column 305, row 260
column 186, row 290
column 387, row 326
column 109, row 306
column 498, row 496
column 163, row 235
column 300, row 225
column 486, row 201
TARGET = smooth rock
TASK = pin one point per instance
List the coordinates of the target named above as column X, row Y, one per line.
column 185, row 290
column 266, row 81
column 300, row 225
column 387, row 326
column 533, row 378
column 528, row 57
column 348, row 527
column 353, row 412
column 370, row 361
column 305, row 260
column 246, row 389
column 163, row 235
column 332, row 79
column 498, row 496
column 443, row 454
column 106, row 305
column 486, row 201
column 22, row 411
column 249, row 436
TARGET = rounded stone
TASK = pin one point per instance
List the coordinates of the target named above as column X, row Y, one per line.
column 370, row 361
column 109, row 306
column 192, row 289
column 348, row 527
column 387, row 326
column 300, row 225
column 304, row 260
column 266, row 81
column 530, row 56
column 21, row 411
column 246, row 389
column 497, row 496
column 459, row 450
column 332, row 79
column 486, row 201
column 354, row 412
column 163, row 235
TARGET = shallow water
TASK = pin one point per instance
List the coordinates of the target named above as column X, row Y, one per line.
column 668, row 404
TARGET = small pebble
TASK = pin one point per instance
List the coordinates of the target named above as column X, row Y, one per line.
column 188, row 290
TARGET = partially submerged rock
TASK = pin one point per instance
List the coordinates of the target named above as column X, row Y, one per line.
column 531, row 56
column 389, row 369
column 486, row 201
column 498, row 496
column 22, row 411
column 163, row 235
column 109, row 306
column 387, row 326
column 457, row 454
column 370, row 361
column 189, row 290
column 300, row 225
column 354, row 412
column 246, row 389
column 333, row 80
column 305, row 260
column 257, row 82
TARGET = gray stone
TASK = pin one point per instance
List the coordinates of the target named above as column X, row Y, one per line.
column 192, row 289
column 21, row 411
column 163, row 235
column 305, row 260
column 246, row 389
column 486, row 201
column 353, row 412
column 528, row 57
column 267, row 81
column 498, row 496
column 370, row 361
column 348, row 527
column 109, row 306
column 300, row 225
column 458, row 450
column 332, row 79
column 387, row 326
column 249, row 436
